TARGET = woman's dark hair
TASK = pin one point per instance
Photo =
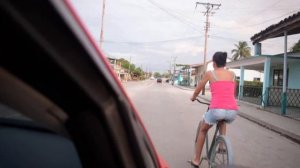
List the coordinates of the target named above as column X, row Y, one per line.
column 220, row 59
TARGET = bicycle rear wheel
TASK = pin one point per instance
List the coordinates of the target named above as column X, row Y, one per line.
column 221, row 154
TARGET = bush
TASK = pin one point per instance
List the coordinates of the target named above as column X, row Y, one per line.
column 251, row 83
column 251, row 88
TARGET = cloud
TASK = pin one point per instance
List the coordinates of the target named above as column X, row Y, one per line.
column 138, row 22
column 121, row 55
column 187, row 47
column 157, row 51
column 191, row 47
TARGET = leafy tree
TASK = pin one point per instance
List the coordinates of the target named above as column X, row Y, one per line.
column 167, row 75
column 138, row 72
column 157, row 75
column 241, row 51
column 296, row 47
column 126, row 64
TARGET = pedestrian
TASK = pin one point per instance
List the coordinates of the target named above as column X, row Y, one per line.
column 223, row 105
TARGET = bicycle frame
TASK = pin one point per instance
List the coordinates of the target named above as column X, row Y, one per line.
column 208, row 147
column 212, row 147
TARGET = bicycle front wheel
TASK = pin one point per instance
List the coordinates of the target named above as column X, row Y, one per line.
column 221, row 154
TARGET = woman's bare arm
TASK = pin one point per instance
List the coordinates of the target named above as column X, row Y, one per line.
column 200, row 86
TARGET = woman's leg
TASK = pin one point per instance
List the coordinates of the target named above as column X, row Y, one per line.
column 222, row 129
column 200, row 141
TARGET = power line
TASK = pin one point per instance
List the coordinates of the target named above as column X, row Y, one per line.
column 256, row 9
column 264, row 10
column 151, row 42
column 182, row 20
column 272, row 19
column 253, row 25
column 227, row 38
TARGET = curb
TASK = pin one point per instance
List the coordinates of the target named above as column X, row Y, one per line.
column 282, row 132
column 183, row 88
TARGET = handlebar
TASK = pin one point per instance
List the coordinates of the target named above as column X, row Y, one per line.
column 202, row 102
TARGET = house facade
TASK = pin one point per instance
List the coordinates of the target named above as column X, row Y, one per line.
column 249, row 75
column 281, row 81
column 121, row 73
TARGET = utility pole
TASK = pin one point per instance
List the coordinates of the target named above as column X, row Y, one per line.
column 129, row 67
column 129, row 64
column 173, row 59
column 209, row 8
column 102, row 23
column 174, row 64
column 170, row 67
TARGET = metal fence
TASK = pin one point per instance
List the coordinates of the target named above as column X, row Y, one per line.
column 293, row 101
column 253, row 94
column 275, row 95
column 252, row 91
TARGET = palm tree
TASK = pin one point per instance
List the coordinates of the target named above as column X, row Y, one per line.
column 242, row 51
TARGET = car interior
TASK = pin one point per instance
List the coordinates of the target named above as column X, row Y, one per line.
column 60, row 105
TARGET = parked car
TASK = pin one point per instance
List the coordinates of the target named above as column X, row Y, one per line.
column 61, row 104
column 159, row 80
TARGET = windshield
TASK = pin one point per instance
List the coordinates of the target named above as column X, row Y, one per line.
column 162, row 53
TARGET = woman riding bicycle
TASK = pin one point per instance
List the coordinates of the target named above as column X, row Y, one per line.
column 223, row 105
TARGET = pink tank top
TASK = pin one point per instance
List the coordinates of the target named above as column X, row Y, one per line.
column 222, row 93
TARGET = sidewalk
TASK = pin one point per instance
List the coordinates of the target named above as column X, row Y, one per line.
column 285, row 126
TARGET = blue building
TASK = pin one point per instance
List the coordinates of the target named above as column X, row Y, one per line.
column 281, row 83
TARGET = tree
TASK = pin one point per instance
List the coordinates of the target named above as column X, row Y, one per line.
column 242, row 51
column 157, row 75
column 166, row 75
column 138, row 72
column 296, row 47
column 126, row 64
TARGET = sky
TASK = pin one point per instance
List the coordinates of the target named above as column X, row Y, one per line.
column 153, row 34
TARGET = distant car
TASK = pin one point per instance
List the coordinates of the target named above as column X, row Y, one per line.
column 61, row 104
column 158, row 80
column 167, row 80
column 152, row 78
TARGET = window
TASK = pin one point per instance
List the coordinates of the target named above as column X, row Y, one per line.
column 278, row 77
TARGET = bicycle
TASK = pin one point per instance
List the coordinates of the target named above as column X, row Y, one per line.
column 219, row 153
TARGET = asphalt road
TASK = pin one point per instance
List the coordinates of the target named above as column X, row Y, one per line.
column 171, row 120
